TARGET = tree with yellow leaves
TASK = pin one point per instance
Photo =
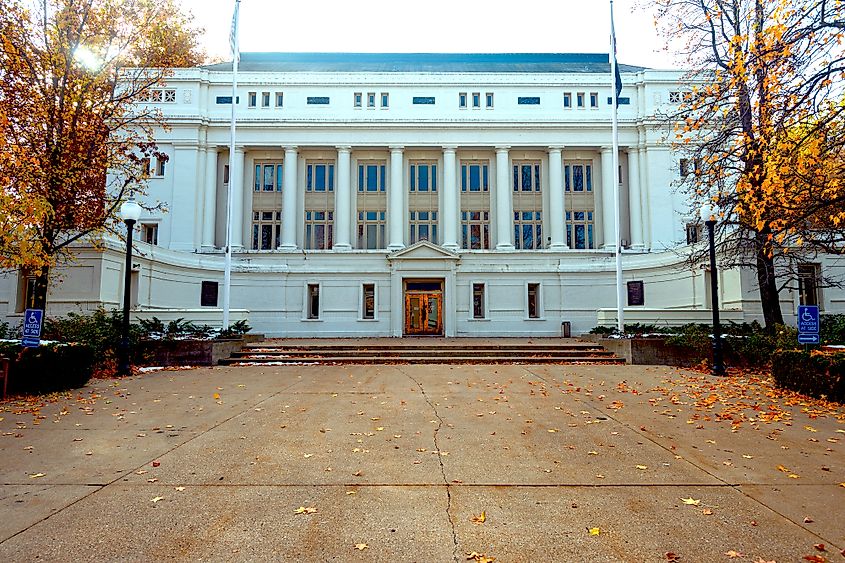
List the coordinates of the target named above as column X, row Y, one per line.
column 758, row 123
column 75, row 137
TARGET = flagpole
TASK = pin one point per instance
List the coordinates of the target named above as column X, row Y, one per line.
column 616, row 87
column 227, row 267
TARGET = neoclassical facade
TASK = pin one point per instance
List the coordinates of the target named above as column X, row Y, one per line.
column 413, row 194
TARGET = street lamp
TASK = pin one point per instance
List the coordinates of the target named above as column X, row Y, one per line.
column 709, row 215
column 130, row 212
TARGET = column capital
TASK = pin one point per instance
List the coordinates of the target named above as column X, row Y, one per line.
column 502, row 148
column 554, row 148
column 344, row 148
column 606, row 149
column 396, row 148
column 290, row 147
column 450, row 148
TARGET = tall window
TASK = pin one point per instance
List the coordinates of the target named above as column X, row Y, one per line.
column 372, row 204
column 356, row 99
column 266, row 229
column 312, row 305
column 385, row 99
column 567, row 100
column 489, row 98
column 280, row 99
column 578, row 177
column 368, row 301
column 808, row 284
column 319, row 205
column 371, row 100
column 26, row 291
column 475, row 205
column 527, row 205
column 252, row 99
column 462, row 100
column 265, row 99
column 533, row 300
column 422, row 202
column 266, row 205
column 149, row 233
column 478, row 301
column 476, row 99
column 579, row 229
column 594, row 99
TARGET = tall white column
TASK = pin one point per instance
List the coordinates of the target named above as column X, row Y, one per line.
column 396, row 216
column 555, row 219
column 451, row 202
column 209, row 204
column 343, row 200
column 635, row 199
column 644, row 198
column 236, row 184
column 608, row 177
column 289, row 191
column 504, row 201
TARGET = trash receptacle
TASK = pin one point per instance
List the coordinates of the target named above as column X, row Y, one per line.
column 566, row 329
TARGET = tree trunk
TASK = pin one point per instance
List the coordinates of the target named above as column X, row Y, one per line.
column 38, row 299
column 769, row 296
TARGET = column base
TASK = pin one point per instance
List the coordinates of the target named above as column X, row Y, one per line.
column 505, row 247
column 558, row 247
column 342, row 248
column 395, row 247
column 638, row 247
column 209, row 248
column 287, row 248
column 451, row 246
column 609, row 248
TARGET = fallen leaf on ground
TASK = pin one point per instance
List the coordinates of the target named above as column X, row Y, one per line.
column 691, row 501
column 156, row 499
column 361, row 546
column 36, row 475
column 305, row 510
column 707, row 512
column 734, row 554
column 642, row 467
column 672, row 557
column 819, row 547
column 594, row 531
column 479, row 557
column 808, row 520
column 216, row 396
column 815, row 558
column 480, row 519
column 180, row 489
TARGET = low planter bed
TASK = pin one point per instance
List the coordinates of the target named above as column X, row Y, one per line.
column 192, row 352
column 649, row 350
column 53, row 366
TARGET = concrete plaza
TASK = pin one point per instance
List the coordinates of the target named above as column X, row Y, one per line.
column 398, row 463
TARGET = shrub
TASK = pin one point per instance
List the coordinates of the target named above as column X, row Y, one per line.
column 237, row 329
column 811, row 373
column 101, row 330
column 7, row 332
column 50, row 367
column 832, row 329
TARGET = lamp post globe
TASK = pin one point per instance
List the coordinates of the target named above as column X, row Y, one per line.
column 709, row 215
column 130, row 212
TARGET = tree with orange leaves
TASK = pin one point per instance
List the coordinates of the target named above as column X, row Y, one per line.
column 757, row 122
column 75, row 138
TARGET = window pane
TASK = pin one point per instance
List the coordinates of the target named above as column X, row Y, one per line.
column 475, row 236
column 413, row 184
column 486, row 178
column 536, row 177
column 526, row 178
column 516, row 178
column 268, row 177
column 320, row 237
column 578, row 178
column 579, row 236
column 279, row 176
column 255, row 237
column 433, row 178
column 266, row 237
column 320, row 180
column 463, row 178
column 474, row 178
column 331, row 177
column 308, row 173
column 423, row 232
column 257, row 177
column 589, row 178
column 423, row 178
column 566, row 177
column 361, row 178
column 372, row 178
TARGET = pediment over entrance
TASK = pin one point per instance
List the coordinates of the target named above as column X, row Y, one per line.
column 423, row 250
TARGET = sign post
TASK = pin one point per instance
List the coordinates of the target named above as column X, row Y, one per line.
column 808, row 324
column 32, row 321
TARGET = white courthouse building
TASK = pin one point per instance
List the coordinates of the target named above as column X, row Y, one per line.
column 406, row 194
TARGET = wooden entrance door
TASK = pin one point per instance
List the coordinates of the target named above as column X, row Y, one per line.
column 424, row 309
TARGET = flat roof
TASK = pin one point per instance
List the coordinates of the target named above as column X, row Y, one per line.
column 592, row 63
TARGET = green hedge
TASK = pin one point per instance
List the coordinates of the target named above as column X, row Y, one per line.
column 814, row 374
column 48, row 368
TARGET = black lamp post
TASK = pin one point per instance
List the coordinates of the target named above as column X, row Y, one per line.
column 708, row 215
column 130, row 212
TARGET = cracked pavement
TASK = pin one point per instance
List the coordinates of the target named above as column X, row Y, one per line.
column 213, row 464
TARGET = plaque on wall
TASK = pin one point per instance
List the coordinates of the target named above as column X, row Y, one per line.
column 208, row 295
column 636, row 293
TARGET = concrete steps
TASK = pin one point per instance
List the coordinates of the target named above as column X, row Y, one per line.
column 422, row 351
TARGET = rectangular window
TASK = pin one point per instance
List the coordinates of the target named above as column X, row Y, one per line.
column 423, row 100
column 578, row 177
column 579, row 230
column 208, row 294
column 371, row 177
column 319, row 178
column 475, row 230
column 808, row 284
column 371, row 225
column 318, row 230
column 478, row 301
column 527, row 230
column 580, row 99
column 357, row 99
column 528, row 100
column 423, row 226
column 266, row 230
column 385, row 99
column 371, row 100
column 159, row 167
column 462, row 100
column 149, row 233
column 313, row 301
column 368, row 304
column 225, row 173
column 280, row 99
column 265, row 99
column 684, row 167
column 594, row 99
column 317, row 100
column 533, row 300
column 489, row 99
column 567, row 100
column 252, row 99
column 476, row 99
column 27, row 292
column 268, row 177
column 474, row 178
column 423, row 177
column 694, row 233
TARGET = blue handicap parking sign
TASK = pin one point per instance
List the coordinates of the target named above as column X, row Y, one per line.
column 808, row 319
column 32, row 321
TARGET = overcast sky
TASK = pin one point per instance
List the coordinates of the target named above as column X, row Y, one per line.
column 492, row 26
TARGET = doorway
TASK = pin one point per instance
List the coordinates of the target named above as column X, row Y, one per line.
column 424, row 307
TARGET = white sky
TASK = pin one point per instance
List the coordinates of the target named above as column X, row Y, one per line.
column 431, row 26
